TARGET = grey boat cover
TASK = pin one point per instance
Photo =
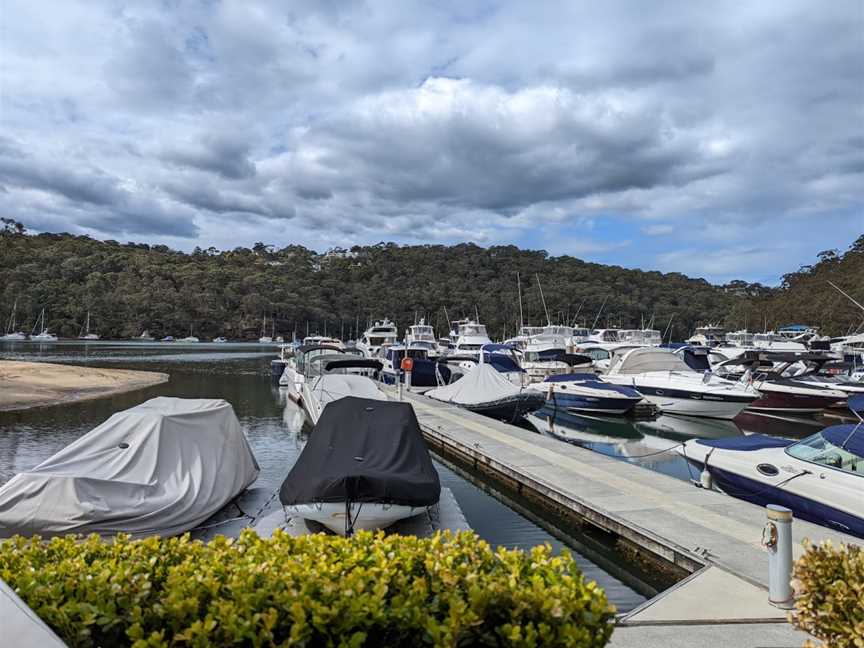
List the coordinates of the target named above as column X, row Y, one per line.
column 162, row 467
column 483, row 384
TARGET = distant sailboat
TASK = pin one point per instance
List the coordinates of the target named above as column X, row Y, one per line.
column 265, row 339
column 145, row 337
column 85, row 333
column 11, row 334
column 190, row 337
column 43, row 335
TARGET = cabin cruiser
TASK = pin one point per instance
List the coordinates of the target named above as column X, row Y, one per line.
column 605, row 336
column 295, row 365
column 710, row 335
column 485, row 390
column 799, row 333
column 665, row 379
column 334, row 376
column 849, row 345
column 640, row 337
column 542, row 359
column 422, row 336
column 820, row 478
column 585, row 392
column 771, row 341
column 425, row 371
column 779, row 392
column 365, row 466
column 321, row 340
column 162, row 467
column 380, row 334
column 468, row 337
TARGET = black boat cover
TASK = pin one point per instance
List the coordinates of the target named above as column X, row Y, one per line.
column 364, row 450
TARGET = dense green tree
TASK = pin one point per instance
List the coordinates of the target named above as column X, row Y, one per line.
column 132, row 287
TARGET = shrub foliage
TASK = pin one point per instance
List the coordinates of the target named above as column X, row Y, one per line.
column 317, row 590
column 829, row 585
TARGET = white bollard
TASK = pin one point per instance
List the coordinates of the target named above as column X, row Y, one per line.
column 408, row 380
column 777, row 539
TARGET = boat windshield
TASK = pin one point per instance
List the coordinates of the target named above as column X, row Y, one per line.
column 472, row 329
column 469, row 347
column 819, row 450
column 380, row 340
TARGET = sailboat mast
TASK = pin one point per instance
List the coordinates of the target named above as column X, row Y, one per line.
column 519, row 290
column 543, row 299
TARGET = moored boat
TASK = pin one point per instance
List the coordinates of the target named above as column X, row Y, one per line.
column 365, row 466
column 162, row 467
column 585, row 392
column 820, row 478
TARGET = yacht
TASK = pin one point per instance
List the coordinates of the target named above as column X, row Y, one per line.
column 422, row 336
column 44, row 335
column 190, row 338
column 365, row 466
column 710, row 335
column 820, row 478
column 604, row 336
column 11, row 335
column 381, row 333
column 145, row 337
column 468, row 337
column 772, row 341
column 85, row 332
column 640, row 337
column 667, row 381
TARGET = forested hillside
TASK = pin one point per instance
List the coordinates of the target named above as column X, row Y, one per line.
column 132, row 287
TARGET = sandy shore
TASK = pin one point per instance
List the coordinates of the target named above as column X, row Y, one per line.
column 39, row 384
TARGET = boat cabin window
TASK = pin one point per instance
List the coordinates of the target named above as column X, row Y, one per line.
column 472, row 329
column 596, row 354
column 819, row 450
column 468, row 347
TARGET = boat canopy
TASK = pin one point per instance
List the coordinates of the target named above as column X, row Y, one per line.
column 364, row 450
column 850, row 437
column 162, row 467
column 483, row 384
column 644, row 359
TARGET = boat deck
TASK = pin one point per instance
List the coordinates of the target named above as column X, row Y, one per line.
column 693, row 531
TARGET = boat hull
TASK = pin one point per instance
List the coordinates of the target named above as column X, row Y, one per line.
column 600, row 404
column 511, row 408
column 364, row 515
column 792, row 403
column 675, row 401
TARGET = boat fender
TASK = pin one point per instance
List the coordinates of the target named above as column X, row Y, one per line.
column 705, row 478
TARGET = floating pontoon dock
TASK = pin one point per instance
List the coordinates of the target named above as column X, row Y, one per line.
column 710, row 540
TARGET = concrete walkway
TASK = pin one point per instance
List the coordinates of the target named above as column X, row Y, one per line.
column 713, row 536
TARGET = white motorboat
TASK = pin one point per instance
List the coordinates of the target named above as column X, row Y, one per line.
column 11, row 335
column 85, row 332
column 468, row 337
column 380, row 334
column 710, row 335
column 293, row 375
column 819, row 478
column 422, row 336
column 220, row 340
column 365, row 466
column 159, row 468
column 328, row 376
column 665, row 379
column 43, row 335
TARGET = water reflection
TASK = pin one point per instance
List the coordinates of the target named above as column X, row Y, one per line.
column 650, row 443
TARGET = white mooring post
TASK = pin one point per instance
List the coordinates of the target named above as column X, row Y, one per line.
column 408, row 380
column 777, row 539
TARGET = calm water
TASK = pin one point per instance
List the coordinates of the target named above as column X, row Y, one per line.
column 239, row 374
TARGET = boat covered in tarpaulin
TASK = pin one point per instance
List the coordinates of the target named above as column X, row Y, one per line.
column 162, row 467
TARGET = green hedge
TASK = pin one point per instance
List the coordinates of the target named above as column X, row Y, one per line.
column 317, row 590
column 829, row 589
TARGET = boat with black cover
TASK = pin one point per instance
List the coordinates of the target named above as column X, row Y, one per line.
column 365, row 466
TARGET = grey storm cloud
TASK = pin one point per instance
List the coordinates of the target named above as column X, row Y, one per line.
column 345, row 122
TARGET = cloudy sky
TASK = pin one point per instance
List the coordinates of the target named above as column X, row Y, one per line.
column 718, row 139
